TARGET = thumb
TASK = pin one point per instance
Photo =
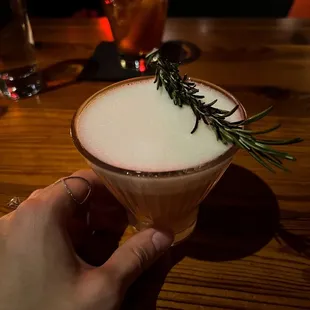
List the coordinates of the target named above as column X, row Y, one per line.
column 136, row 255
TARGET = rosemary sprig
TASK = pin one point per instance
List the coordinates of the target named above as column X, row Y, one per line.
column 183, row 91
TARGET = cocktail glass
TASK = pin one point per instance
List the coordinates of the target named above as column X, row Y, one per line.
column 168, row 201
column 137, row 27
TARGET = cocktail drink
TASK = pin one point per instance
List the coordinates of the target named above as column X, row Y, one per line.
column 137, row 27
column 141, row 145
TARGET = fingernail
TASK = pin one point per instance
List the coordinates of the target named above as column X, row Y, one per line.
column 162, row 241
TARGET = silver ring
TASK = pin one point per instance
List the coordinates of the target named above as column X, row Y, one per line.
column 63, row 181
column 14, row 203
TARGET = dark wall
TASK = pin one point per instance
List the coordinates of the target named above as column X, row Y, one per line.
column 207, row 8
column 61, row 8
column 231, row 8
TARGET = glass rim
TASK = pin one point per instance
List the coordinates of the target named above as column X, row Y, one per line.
column 101, row 164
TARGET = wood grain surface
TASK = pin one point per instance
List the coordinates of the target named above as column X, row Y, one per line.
column 251, row 246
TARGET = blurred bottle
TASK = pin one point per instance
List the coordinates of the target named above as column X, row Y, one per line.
column 19, row 76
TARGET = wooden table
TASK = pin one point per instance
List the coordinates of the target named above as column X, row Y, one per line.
column 233, row 260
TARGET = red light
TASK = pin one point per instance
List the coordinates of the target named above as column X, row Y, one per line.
column 142, row 66
column 14, row 96
column 105, row 28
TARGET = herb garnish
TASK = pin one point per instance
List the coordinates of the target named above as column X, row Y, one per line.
column 183, row 91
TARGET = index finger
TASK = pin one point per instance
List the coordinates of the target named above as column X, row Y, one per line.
column 69, row 193
column 56, row 199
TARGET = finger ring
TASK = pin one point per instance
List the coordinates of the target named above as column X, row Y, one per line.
column 14, row 203
column 63, row 181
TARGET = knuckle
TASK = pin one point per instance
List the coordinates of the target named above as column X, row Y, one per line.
column 29, row 207
column 142, row 257
column 35, row 193
column 79, row 172
column 30, row 217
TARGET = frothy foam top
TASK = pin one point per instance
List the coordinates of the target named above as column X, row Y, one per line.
column 136, row 127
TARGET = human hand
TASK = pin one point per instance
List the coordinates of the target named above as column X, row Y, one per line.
column 39, row 268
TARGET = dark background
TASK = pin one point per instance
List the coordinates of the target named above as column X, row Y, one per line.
column 177, row 8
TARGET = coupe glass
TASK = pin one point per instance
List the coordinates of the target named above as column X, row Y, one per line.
column 166, row 200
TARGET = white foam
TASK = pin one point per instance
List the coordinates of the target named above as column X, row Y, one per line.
column 138, row 127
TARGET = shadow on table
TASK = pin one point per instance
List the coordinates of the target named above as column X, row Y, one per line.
column 143, row 294
column 290, row 241
column 3, row 110
column 306, row 275
column 293, row 242
column 62, row 74
column 237, row 219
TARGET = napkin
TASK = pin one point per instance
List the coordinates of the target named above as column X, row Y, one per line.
column 104, row 65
